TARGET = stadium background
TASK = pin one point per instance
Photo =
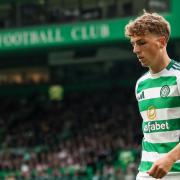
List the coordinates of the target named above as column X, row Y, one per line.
column 67, row 77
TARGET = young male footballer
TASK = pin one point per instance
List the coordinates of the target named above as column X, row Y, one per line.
column 158, row 96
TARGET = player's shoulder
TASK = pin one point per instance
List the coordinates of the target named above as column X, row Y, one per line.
column 143, row 77
column 174, row 67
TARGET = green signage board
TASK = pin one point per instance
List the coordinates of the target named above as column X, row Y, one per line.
column 75, row 34
column 62, row 35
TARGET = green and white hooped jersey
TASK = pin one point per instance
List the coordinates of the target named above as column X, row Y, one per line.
column 158, row 98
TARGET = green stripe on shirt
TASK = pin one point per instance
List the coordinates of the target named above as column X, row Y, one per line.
column 159, row 82
column 161, row 125
column 160, row 103
column 158, row 147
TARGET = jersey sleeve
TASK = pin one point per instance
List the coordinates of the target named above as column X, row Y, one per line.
column 178, row 83
column 136, row 90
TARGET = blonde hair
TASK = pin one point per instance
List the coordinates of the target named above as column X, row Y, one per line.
column 148, row 23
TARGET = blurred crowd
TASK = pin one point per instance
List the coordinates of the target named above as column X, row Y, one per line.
column 93, row 135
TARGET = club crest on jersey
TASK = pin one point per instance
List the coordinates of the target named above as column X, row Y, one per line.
column 165, row 90
column 151, row 112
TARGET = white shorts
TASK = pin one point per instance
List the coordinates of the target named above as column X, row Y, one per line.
column 145, row 176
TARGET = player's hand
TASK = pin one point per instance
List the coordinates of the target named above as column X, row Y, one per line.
column 161, row 167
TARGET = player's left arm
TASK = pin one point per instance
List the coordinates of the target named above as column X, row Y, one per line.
column 163, row 165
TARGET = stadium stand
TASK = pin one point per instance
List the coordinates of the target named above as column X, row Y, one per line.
column 84, row 135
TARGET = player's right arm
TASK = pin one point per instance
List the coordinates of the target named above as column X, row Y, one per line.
column 163, row 165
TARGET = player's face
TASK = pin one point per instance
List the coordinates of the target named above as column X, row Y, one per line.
column 147, row 49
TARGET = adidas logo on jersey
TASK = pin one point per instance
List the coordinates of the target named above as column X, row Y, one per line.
column 140, row 96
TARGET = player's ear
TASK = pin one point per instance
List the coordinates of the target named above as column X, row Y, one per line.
column 162, row 41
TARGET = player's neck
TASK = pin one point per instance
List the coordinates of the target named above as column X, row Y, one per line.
column 161, row 64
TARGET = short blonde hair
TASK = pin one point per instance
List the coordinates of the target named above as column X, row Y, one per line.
column 148, row 23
